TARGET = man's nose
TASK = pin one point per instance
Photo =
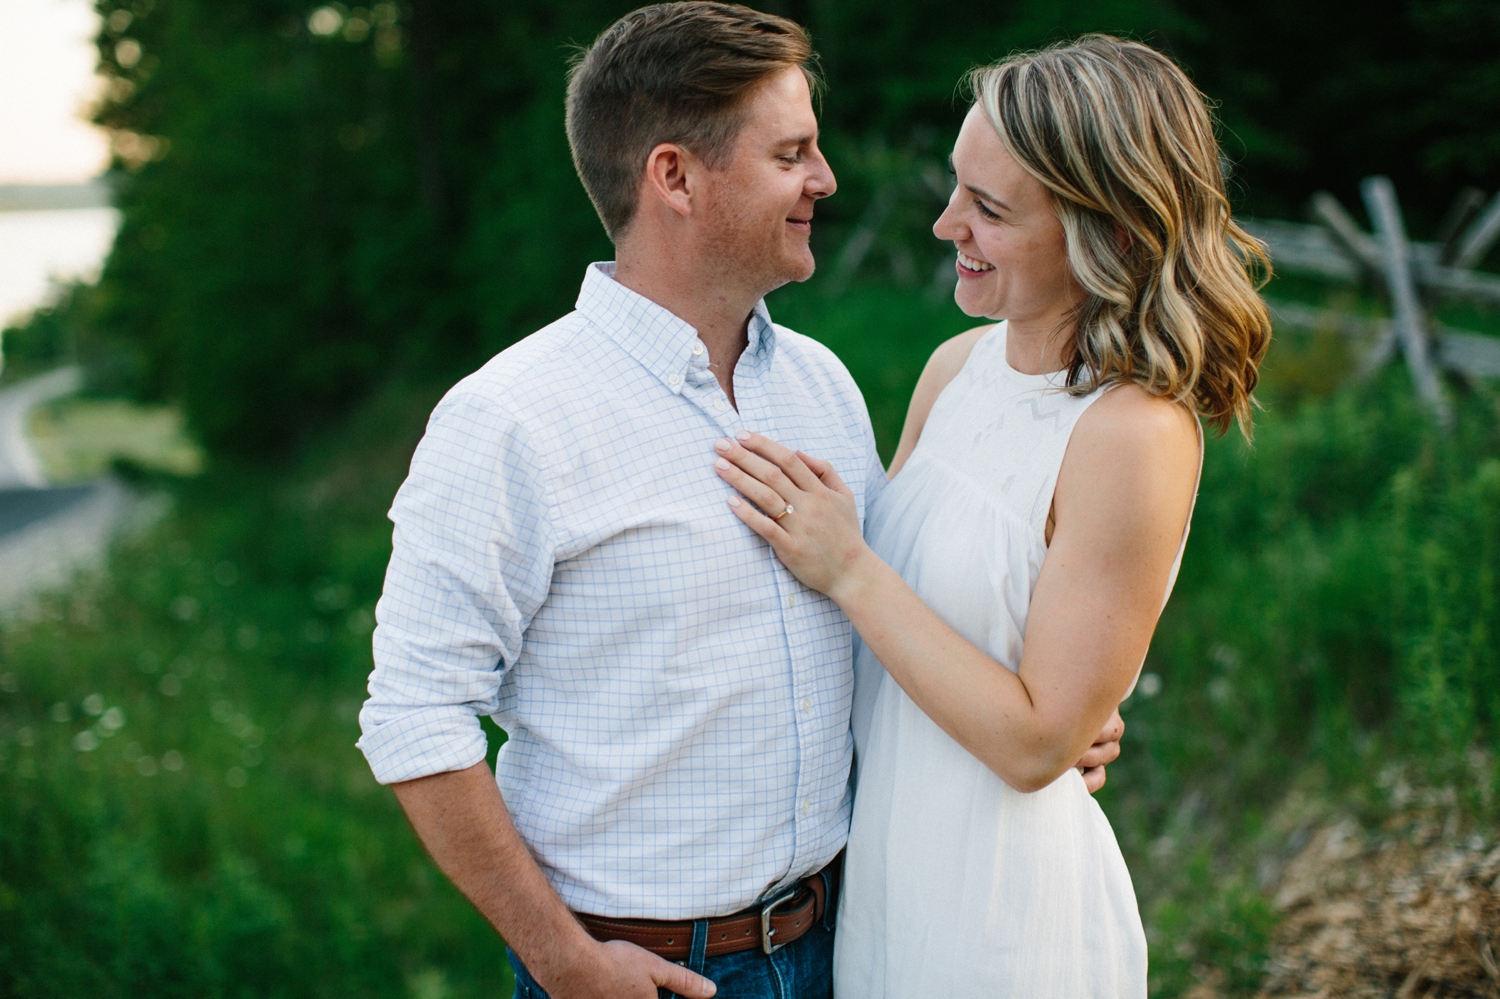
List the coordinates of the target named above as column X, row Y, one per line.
column 821, row 182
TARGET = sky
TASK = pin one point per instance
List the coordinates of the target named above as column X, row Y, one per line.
column 47, row 81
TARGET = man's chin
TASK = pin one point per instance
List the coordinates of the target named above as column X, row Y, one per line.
column 800, row 267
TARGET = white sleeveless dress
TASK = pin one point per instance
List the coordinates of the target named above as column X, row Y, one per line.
column 956, row 885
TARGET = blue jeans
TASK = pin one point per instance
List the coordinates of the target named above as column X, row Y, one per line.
column 803, row 969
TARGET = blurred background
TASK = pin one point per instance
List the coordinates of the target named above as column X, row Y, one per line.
column 245, row 247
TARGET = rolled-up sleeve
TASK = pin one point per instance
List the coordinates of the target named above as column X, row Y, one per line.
column 471, row 562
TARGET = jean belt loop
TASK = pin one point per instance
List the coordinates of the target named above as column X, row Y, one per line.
column 698, row 953
column 831, row 907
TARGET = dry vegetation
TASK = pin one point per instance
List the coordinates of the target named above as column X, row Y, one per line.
column 1409, row 909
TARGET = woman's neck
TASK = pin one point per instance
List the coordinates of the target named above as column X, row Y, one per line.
column 1038, row 346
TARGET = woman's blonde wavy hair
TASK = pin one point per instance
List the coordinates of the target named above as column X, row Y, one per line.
column 1125, row 143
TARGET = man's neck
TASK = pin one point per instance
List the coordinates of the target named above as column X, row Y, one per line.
column 701, row 297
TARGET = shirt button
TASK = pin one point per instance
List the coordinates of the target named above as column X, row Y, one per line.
column 806, row 704
column 806, row 805
column 719, row 405
column 697, row 348
column 791, row 599
column 674, row 380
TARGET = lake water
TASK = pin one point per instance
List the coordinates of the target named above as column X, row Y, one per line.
column 38, row 248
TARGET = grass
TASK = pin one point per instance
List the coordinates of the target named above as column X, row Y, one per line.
column 80, row 438
column 186, row 813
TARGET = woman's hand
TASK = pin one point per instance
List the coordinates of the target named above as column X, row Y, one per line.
column 806, row 512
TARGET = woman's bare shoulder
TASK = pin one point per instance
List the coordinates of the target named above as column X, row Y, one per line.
column 951, row 356
column 941, row 368
column 1129, row 417
column 1127, row 446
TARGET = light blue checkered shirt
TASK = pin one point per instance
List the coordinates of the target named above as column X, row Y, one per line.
column 564, row 561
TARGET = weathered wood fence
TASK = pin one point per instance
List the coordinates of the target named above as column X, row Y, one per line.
column 1413, row 275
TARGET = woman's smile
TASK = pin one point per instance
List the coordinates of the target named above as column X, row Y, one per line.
column 969, row 267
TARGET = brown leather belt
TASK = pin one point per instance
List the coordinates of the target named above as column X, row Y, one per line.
column 769, row 925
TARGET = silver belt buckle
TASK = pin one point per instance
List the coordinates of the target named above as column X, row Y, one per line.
column 766, row 933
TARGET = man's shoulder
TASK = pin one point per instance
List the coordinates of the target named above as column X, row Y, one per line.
column 531, row 367
column 813, row 359
column 509, row 397
column 824, row 376
column 527, row 378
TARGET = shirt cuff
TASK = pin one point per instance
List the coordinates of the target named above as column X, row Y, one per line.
column 421, row 743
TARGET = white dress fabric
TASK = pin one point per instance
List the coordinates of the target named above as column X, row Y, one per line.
column 956, row 885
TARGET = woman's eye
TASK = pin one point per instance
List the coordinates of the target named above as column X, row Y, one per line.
column 984, row 210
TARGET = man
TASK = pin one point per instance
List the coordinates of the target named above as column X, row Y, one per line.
column 675, row 783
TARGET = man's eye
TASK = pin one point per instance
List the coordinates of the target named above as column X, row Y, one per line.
column 794, row 158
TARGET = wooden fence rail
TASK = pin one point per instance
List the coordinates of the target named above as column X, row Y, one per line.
column 1410, row 273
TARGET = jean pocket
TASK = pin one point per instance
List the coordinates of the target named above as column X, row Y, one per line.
column 526, row 987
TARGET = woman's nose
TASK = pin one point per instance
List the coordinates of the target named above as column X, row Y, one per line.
column 947, row 227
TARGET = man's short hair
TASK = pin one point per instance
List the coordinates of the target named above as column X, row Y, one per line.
column 671, row 72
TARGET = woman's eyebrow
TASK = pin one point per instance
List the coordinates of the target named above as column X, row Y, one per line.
column 987, row 196
column 977, row 190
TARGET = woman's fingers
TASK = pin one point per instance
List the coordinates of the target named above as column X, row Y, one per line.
column 759, row 468
column 782, row 457
column 825, row 472
column 756, row 491
column 818, row 466
column 757, row 521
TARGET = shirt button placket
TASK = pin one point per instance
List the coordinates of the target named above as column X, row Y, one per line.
column 801, row 719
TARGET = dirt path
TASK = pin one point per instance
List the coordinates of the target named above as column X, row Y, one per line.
column 19, row 468
column 47, row 534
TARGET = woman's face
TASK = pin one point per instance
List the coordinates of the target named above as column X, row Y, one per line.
column 1012, row 255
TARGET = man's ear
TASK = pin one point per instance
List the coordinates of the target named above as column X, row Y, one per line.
column 670, row 175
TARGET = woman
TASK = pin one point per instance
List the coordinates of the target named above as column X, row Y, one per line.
column 1040, row 498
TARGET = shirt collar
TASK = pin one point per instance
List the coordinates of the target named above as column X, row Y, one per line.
column 661, row 341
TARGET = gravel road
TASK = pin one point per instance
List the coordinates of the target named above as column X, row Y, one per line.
column 47, row 533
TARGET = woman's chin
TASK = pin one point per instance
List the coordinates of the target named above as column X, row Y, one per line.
column 970, row 304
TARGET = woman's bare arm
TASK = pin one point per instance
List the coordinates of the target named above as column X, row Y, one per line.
column 1121, row 506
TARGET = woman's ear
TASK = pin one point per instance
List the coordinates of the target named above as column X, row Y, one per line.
column 1123, row 239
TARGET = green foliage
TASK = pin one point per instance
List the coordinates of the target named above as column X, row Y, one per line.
column 1335, row 607
column 307, row 215
column 1213, row 928
column 313, row 223
column 1317, row 97
column 186, row 814
column 46, row 340
column 1334, row 611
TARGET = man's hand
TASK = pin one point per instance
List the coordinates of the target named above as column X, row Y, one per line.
column 620, row 970
column 462, row 820
column 1104, row 751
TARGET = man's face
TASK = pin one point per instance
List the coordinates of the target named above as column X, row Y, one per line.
column 759, row 206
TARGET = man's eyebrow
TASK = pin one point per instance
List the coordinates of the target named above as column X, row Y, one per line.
column 800, row 140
